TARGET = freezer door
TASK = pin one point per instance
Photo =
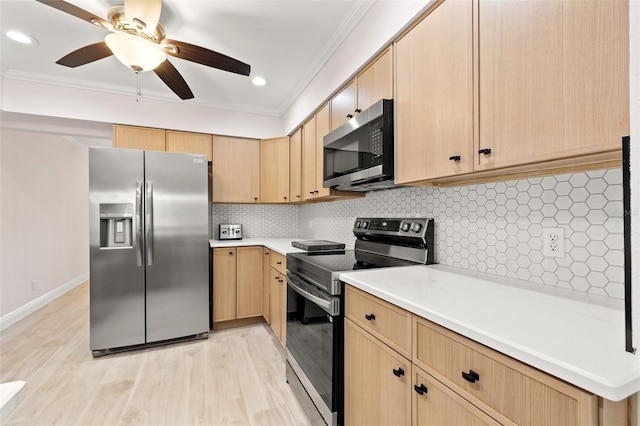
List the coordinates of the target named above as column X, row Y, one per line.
column 177, row 245
column 117, row 286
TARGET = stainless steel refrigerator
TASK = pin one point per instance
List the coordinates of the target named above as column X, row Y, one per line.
column 149, row 248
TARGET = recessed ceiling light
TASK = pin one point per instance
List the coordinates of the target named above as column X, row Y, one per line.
column 21, row 37
column 259, row 81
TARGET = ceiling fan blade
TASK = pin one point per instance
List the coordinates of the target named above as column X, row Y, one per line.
column 207, row 57
column 71, row 9
column 85, row 55
column 172, row 78
column 144, row 11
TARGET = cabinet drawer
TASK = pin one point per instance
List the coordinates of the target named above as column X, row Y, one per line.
column 439, row 405
column 278, row 262
column 387, row 322
column 502, row 385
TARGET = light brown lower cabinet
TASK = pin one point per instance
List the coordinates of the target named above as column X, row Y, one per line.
column 237, row 283
column 278, row 305
column 377, row 385
column 448, row 379
column 266, row 285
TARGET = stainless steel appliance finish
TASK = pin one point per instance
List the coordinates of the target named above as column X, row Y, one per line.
column 230, row 231
column 149, row 263
column 315, row 308
column 358, row 156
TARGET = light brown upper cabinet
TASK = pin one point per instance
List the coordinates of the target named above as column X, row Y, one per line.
column 274, row 170
column 373, row 83
column 343, row 105
column 133, row 137
column 189, row 143
column 434, row 95
column 295, row 166
column 553, row 79
column 309, row 176
column 236, row 170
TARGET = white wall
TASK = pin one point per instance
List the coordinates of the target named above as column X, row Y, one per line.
column 44, row 228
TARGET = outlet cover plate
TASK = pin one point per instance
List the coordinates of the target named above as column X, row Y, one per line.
column 553, row 242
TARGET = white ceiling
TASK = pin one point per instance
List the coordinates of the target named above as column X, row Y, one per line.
column 286, row 42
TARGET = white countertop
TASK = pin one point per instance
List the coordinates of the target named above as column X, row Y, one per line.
column 281, row 245
column 575, row 340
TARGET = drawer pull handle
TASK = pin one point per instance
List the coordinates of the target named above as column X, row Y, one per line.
column 471, row 376
column 399, row 372
column 370, row 317
column 278, row 263
column 454, row 158
column 485, row 151
column 422, row 389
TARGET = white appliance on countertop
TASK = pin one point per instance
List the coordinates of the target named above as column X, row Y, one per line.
column 230, row 231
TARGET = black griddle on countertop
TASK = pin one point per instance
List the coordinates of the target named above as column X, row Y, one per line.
column 317, row 245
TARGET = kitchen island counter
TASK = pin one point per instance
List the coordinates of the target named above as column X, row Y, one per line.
column 571, row 335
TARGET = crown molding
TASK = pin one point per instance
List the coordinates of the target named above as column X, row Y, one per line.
column 43, row 79
column 342, row 32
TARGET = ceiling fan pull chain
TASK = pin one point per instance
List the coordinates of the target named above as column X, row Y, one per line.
column 138, row 91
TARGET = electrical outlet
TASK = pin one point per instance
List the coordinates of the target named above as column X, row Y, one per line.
column 33, row 285
column 553, row 242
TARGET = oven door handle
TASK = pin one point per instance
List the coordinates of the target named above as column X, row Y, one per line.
column 330, row 306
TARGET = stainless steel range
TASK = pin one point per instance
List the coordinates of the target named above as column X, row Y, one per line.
column 315, row 307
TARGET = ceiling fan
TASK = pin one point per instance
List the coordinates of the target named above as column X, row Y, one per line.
column 138, row 40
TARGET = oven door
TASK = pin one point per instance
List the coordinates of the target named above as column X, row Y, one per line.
column 314, row 346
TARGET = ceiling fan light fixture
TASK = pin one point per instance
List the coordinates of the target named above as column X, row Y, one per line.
column 135, row 52
column 21, row 37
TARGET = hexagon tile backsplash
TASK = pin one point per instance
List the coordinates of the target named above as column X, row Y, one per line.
column 496, row 227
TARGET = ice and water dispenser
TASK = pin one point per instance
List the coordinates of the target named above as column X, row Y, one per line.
column 116, row 224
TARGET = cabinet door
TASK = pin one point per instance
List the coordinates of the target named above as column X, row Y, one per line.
column 376, row 81
column 249, row 281
column 277, row 321
column 309, row 177
column 138, row 138
column 434, row 404
column 343, row 105
column 189, row 143
column 323, row 126
column 224, row 284
column 274, row 170
column 434, row 95
column 266, row 285
column 554, row 79
column 377, row 381
column 295, row 166
column 236, row 170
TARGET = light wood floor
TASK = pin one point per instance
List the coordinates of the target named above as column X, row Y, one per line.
column 236, row 377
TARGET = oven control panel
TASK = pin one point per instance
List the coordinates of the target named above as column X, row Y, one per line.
column 413, row 227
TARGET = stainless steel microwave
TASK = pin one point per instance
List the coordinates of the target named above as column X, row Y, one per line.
column 358, row 156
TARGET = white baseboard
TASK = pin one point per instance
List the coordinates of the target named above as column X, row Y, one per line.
column 15, row 316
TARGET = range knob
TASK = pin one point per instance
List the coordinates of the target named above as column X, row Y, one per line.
column 365, row 224
column 358, row 224
column 404, row 226
column 416, row 227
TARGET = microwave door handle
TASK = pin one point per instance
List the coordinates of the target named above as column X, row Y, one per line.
column 326, row 305
column 137, row 234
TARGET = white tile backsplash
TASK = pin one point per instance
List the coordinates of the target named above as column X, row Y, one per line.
column 492, row 227
column 258, row 220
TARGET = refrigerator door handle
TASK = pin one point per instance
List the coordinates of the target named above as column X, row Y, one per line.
column 137, row 235
column 148, row 228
